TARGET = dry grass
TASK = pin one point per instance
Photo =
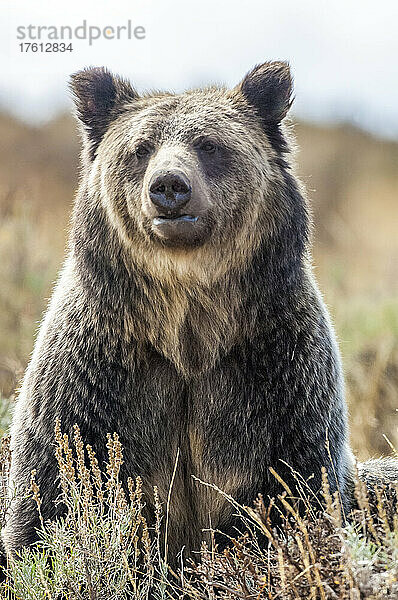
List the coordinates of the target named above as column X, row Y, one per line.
column 104, row 548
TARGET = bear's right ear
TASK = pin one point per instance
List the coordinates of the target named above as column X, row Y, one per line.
column 99, row 97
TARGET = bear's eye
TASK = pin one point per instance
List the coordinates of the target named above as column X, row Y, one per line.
column 208, row 146
column 214, row 156
column 143, row 150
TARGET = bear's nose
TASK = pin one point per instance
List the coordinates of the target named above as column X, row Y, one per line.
column 169, row 191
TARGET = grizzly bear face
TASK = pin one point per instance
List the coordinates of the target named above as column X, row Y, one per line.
column 179, row 173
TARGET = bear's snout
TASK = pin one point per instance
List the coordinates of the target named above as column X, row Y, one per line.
column 175, row 204
column 169, row 191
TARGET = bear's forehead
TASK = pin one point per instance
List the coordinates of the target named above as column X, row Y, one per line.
column 192, row 114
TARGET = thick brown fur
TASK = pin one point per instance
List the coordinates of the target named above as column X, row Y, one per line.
column 221, row 349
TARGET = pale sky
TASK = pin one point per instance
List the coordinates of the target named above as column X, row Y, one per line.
column 343, row 53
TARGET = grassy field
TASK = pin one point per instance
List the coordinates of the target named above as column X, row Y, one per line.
column 105, row 549
column 352, row 182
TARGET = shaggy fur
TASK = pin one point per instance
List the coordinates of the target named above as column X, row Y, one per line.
column 222, row 350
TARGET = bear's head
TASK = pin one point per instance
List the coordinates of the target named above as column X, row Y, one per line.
column 192, row 179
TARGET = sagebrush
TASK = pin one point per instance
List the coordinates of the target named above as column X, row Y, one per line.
column 104, row 548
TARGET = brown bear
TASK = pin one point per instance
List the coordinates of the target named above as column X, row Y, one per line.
column 186, row 316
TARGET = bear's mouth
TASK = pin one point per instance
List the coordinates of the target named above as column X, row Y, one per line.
column 181, row 230
column 171, row 218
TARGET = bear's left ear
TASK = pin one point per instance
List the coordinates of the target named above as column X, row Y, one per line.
column 268, row 88
column 99, row 98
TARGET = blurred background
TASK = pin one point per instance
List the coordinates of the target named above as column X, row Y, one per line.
column 343, row 55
